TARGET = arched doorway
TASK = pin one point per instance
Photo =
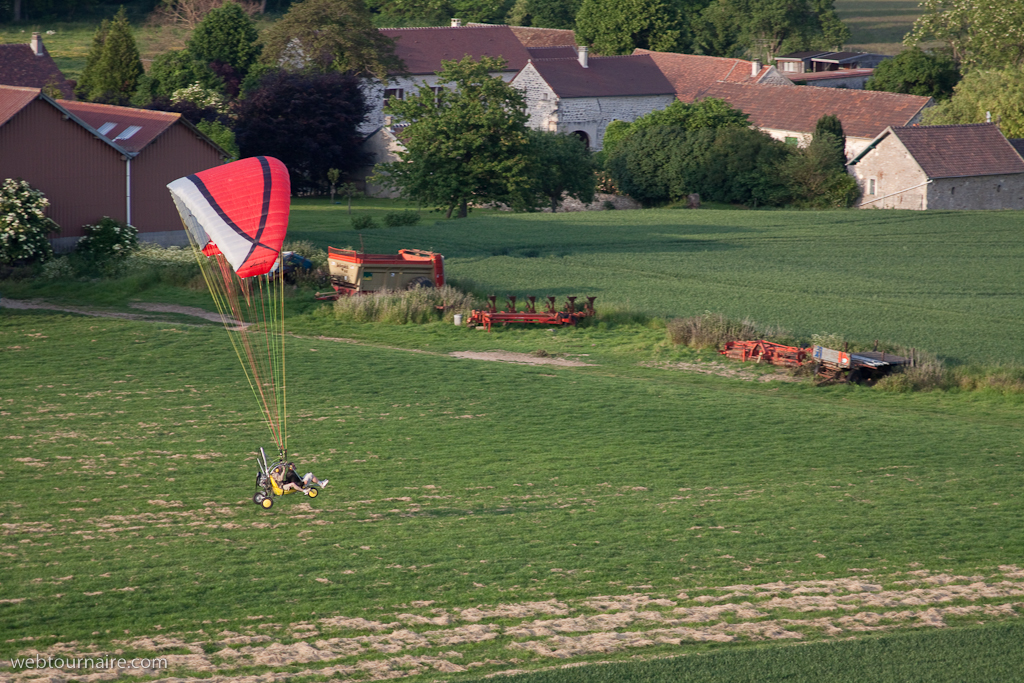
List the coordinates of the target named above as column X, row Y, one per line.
column 582, row 136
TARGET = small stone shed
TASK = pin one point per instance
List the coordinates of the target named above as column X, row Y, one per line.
column 969, row 166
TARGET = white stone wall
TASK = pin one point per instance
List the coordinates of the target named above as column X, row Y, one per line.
column 590, row 115
column 541, row 101
column 383, row 146
column 373, row 91
column 774, row 77
column 854, row 146
column 978, row 192
column 899, row 181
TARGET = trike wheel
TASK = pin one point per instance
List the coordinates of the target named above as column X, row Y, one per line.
column 258, row 498
column 267, row 503
column 313, row 493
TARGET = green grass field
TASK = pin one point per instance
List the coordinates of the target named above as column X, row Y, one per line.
column 878, row 25
column 488, row 517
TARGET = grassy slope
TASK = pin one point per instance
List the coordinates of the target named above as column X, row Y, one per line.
column 878, row 25
column 462, row 482
column 945, row 282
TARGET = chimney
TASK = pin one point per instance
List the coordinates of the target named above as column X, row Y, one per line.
column 755, row 68
column 581, row 51
column 456, row 23
column 37, row 45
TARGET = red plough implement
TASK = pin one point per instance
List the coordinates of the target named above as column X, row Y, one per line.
column 569, row 315
column 763, row 351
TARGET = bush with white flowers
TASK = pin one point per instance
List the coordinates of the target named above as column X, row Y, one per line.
column 108, row 239
column 201, row 97
column 24, row 226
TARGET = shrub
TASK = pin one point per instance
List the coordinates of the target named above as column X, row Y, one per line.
column 420, row 305
column 394, row 219
column 23, row 224
column 108, row 239
column 714, row 330
column 363, row 223
column 59, row 268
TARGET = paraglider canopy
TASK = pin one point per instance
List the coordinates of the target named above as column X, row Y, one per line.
column 241, row 208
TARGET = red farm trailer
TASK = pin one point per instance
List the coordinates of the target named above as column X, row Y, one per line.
column 355, row 272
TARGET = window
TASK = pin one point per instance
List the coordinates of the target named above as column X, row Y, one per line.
column 128, row 132
column 397, row 93
column 106, row 128
column 871, row 186
column 792, row 141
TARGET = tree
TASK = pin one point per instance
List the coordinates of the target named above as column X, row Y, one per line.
column 87, row 81
column 830, row 138
column 981, row 94
column 816, row 178
column 706, row 113
column 172, row 71
column 544, row 13
column 227, row 36
column 329, row 35
column 763, row 29
column 560, row 165
column 617, row 27
column 976, row 34
column 189, row 14
column 308, row 121
column 462, row 144
column 914, row 72
column 113, row 74
column 25, row 227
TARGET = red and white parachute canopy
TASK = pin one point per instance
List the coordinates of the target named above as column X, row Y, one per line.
column 241, row 208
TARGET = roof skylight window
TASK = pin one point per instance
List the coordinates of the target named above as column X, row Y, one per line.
column 106, row 128
column 128, row 132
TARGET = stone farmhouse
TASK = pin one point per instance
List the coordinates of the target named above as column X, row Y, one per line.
column 790, row 114
column 31, row 66
column 580, row 94
column 95, row 160
column 968, row 166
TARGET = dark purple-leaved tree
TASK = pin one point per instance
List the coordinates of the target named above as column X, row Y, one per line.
column 309, row 121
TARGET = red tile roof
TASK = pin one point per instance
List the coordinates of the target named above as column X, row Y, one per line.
column 150, row 123
column 422, row 49
column 631, row 75
column 692, row 75
column 532, row 36
column 13, row 100
column 863, row 113
column 20, row 66
column 960, row 150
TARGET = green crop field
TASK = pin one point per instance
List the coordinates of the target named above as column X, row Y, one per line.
column 613, row 499
column 878, row 25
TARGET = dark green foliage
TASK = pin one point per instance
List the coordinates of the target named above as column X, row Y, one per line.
column 740, row 167
column 706, row 113
column 829, row 136
column 114, row 75
column 998, row 93
column 560, row 164
column 617, row 27
column 107, row 239
column 817, row 177
column 174, row 70
column 226, row 35
column 764, row 29
column 640, row 163
column 329, row 35
column 221, row 134
column 87, row 82
column 308, row 121
column 394, row 219
column 544, row 13
column 363, row 223
column 463, row 144
column 915, row 72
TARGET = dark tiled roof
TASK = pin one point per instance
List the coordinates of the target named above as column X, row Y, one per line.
column 631, row 75
column 532, row 36
column 553, row 52
column 692, row 75
column 1018, row 144
column 150, row 123
column 863, row 113
column 961, row 150
column 838, row 56
column 422, row 49
column 802, row 55
column 827, row 75
column 20, row 66
column 14, row 99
